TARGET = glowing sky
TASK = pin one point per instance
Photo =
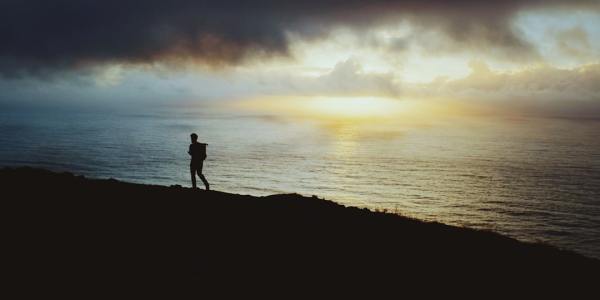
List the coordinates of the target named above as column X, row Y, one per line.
column 330, row 59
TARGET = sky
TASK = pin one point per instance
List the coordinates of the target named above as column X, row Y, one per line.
column 321, row 59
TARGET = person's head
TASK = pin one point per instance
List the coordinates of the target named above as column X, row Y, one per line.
column 194, row 137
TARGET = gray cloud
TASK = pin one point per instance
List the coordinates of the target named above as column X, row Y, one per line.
column 575, row 42
column 542, row 90
column 42, row 37
column 580, row 83
column 346, row 79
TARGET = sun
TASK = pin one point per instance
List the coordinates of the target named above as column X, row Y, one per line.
column 328, row 108
column 351, row 107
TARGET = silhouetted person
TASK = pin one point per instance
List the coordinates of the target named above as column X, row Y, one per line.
column 198, row 153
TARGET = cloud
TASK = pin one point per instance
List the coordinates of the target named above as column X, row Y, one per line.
column 541, row 90
column 574, row 42
column 347, row 78
column 579, row 83
column 42, row 37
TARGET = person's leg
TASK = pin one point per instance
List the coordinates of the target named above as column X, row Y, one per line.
column 193, row 172
column 199, row 170
column 204, row 180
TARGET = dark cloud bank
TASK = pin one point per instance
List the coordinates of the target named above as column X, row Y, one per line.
column 40, row 36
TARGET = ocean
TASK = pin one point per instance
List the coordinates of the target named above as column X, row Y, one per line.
column 533, row 179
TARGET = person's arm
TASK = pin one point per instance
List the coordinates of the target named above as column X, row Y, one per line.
column 190, row 150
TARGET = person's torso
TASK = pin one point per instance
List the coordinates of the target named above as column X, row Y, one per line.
column 198, row 151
